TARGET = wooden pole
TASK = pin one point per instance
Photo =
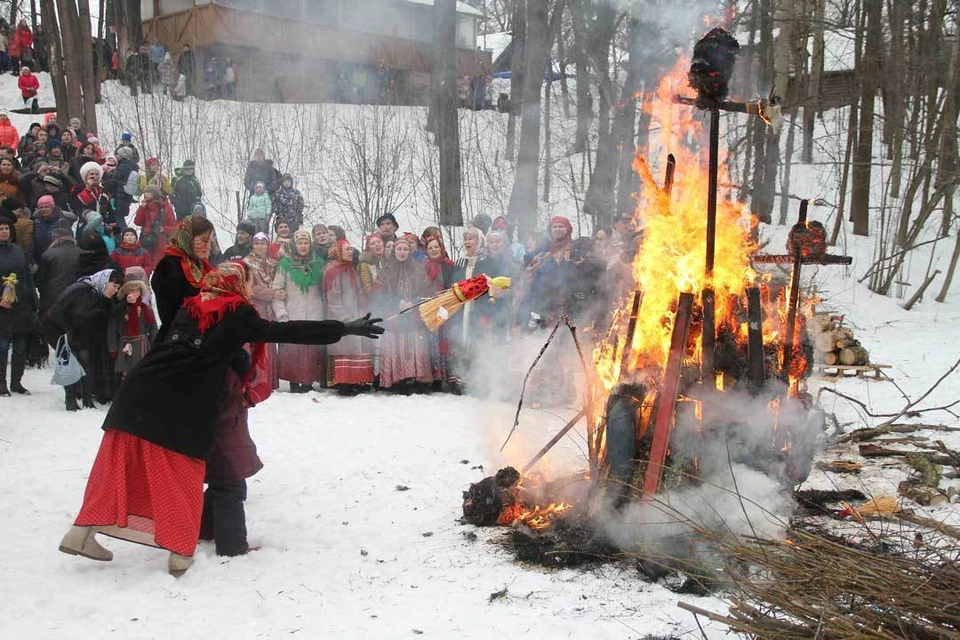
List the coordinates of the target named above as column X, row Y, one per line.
column 666, row 403
column 791, row 331
column 709, row 337
column 755, row 340
column 554, row 440
column 631, row 329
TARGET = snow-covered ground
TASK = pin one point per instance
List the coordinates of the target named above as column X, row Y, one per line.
column 345, row 554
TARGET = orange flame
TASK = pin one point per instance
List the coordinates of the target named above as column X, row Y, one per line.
column 538, row 518
column 672, row 256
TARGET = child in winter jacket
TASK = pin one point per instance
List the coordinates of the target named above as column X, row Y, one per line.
column 260, row 208
column 131, row 329
column 29, row 87
column 157, row 222
column 131, row 254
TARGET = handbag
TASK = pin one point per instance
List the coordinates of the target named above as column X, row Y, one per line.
column 68, row 369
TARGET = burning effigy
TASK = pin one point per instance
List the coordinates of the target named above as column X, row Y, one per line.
column 705, row 363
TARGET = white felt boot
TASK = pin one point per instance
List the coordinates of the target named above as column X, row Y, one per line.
column 80, row 541
column 177, row 564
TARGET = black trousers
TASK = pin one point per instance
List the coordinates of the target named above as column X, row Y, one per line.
column 223, row 519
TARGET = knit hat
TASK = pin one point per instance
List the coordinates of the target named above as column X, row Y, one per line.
column 131, row 286
column 93, row 218
column 46, row 201
column 189, row 164
column 126, row 136
column 390, row 217
column 75, row 121
column 260, row 184
column 199, row 210
column 125, row 153
column 35, row 124
column 247, row 226
column 154, row 191
column 52, row 179
column 12, row 203
column 88, row 167
column 130, row 230
column 261, row 236
column 153, row 162
column 52, row 143
column 500, row 223
column 111, row 161
column 93, row 140
column 565, row 222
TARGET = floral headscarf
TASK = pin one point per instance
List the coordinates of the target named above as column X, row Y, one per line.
column 338, row 265
column 305, row 271
column 435, row 266
column 223, row 290
column 181, row 245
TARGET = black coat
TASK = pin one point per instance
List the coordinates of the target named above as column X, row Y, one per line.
column 237, row 252
column 43, row 231
column 22, row 317
column 170, row 289
column 82, row 313
column 118, row 181
column 263, row 172
column 93, row 254
column 234, row 455
column 57, row 269
column 172, row 398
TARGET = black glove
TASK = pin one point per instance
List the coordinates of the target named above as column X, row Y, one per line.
column 365, row 327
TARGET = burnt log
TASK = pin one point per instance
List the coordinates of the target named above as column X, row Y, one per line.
column 484, row 501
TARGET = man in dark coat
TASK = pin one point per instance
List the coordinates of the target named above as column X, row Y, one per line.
column 261, row 170
column 18, row 317
column 244, row 244
column 57, row 267
column 187, row 65
column 186, row 189
column 126, row 165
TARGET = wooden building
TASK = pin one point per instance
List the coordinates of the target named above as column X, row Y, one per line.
column 316, row 50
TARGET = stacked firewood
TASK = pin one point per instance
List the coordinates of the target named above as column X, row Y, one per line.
column 836, row 344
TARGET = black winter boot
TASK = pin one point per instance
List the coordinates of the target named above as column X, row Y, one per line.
column 4, row 392
column 17, row 365
column 71, row 393
column 86, row 386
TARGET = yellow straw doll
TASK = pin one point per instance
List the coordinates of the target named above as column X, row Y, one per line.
column 9, row 289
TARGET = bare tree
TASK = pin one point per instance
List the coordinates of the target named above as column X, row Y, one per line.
column 448, row 126
column 869, row 76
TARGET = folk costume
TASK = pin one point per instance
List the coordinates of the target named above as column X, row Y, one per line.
column 350, row 364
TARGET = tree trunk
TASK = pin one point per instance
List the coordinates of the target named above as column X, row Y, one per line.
column 627, row 182
column 599, row 201
column 765, row 167
column 33, row 15
column 781, row 77
column 863, row 154
column 947, row 158
column 14, row 7
column 954, row 259
column 517, row 63
column 812, row 107
column 564, row 89
column 523, row 198
column 785, row 179
column 73, row 69
column 91, row 83
column 547, row 132
column 48, row 14
column 448, row 127
column 582, row 70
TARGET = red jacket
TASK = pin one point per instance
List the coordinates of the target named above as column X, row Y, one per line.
column 26, row 36
column 8, row 133
column 29, row 86
column 15, row 45
column 151, row 213
column 132, row 255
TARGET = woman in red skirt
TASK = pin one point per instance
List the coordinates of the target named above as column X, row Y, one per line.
column 351, row 364
column 146, row 484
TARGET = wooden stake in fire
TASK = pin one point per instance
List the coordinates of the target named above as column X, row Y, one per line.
column 714, row 56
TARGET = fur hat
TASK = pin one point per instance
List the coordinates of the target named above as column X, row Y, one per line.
column 138, row 274
column 125, row 153
column 46, row 201
column 88, row 167
column 130, row 286
column 247, row 226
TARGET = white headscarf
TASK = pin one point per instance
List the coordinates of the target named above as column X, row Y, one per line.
column 99, row 280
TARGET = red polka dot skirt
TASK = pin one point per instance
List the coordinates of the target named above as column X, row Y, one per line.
column 142, row 492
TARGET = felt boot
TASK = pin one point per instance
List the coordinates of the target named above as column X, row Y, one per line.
column 177, row 564
column 71, row 392
column 80, row 541
column 17, row 365
column 4, row 392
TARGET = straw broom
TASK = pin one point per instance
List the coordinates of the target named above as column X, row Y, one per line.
column 438, row 309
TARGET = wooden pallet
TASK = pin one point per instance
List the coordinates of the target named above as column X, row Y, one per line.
column 834, row 372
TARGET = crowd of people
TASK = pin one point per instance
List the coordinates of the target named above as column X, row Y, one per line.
column 117, row 267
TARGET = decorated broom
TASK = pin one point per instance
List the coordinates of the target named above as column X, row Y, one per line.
column 437, row 309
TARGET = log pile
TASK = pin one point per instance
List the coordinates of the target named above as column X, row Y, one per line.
column 836, row 344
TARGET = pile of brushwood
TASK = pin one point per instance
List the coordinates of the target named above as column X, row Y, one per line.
column 812, row 586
